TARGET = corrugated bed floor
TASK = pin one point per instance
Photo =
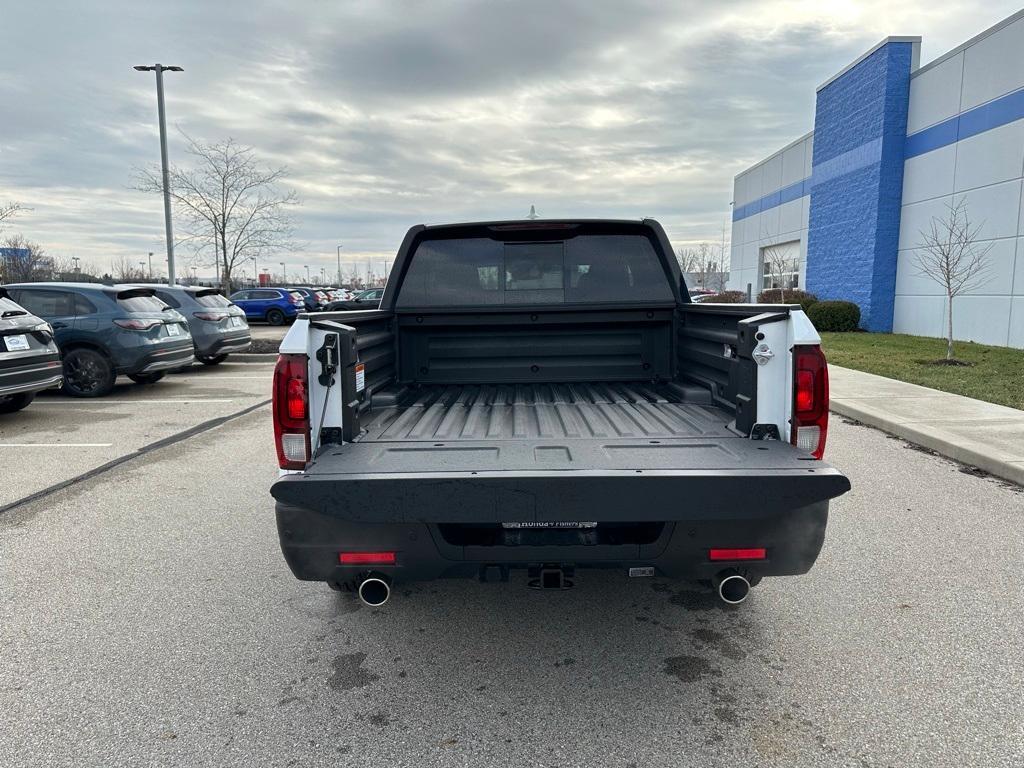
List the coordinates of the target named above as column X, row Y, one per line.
column 536, row 411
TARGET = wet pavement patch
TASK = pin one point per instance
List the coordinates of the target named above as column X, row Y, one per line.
column 349, row 672
column 689, row 669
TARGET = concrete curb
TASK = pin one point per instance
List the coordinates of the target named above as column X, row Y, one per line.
column 920, row 435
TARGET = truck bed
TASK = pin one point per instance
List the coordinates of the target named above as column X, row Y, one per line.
column 576, row 411
column 517, row 452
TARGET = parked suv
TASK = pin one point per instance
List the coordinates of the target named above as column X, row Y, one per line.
column 108, row 330
column 275, row 305
column 310, row 298
column 29, row 358
column 368, row 299
column 218, row 327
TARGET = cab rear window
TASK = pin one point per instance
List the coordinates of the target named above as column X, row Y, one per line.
column 481, row 271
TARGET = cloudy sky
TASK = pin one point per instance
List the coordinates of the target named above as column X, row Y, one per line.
column 393, row 113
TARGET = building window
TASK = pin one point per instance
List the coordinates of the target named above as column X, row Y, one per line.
column 780, row 265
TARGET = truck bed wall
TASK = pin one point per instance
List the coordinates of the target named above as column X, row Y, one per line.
column 707, row 345
column 627, row 345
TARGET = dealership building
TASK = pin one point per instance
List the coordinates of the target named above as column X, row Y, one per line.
column 840, row 212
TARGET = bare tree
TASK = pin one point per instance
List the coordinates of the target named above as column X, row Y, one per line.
column 72, row 268
column 124, row 270
column 22, row 260
column 701, row 262
column 778, row 262
column 229, row 203
column 9, row 211
column 949, row 253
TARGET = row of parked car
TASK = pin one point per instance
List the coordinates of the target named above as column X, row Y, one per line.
column 82, row 336
column 279, row 305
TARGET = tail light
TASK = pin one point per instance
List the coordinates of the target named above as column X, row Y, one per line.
column 291, row 411
column 810, row 400
column 212, row 316
column 133, row 324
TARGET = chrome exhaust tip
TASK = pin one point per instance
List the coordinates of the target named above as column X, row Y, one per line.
column 375, row 590
column 732, row 587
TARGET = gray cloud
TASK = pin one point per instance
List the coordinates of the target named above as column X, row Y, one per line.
column 392, row 113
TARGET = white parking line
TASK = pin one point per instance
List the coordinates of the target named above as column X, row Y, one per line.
column 218, row 378
column 141, row 401
column 56, row 445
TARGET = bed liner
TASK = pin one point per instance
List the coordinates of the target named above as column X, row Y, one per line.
column 570, row 411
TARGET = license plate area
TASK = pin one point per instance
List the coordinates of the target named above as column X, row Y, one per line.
column 557, row 534
column 16, row 343
column 173, row 329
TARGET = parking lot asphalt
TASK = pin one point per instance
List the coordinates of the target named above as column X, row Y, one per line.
column 147, row 618
column 58, row 438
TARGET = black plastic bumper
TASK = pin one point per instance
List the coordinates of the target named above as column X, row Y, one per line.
column 165, row 358
column 30, row 374
column 223, row 345
column 312, row 542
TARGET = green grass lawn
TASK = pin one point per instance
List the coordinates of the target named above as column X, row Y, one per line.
column 997, row 375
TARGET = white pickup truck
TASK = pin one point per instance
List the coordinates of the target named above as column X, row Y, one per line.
column 543, row 397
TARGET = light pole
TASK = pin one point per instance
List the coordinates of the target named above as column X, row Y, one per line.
column 339, row 266
column 150, row 265
column 142, row 267
column 255, row 272
column 160, row 69
column 193, row 274
column 284, row 273
column 76, row 260
column 306, row 267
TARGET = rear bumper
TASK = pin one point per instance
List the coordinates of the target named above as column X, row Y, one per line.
column 165, row 359
column 30, row 373
column 311, row 542
column 782, row 510
column 224, row 344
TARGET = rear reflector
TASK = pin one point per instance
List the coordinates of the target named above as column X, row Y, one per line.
column 367, row 558
column 755, row 553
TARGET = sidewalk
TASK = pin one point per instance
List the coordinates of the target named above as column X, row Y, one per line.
column 987, row 436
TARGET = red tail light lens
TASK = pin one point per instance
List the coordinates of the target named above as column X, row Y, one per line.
column 752, row 553
column 296, row 399
column 367, row 558
column 137, row 325
column 291, row 411
column 810, row 400
column 212, row 316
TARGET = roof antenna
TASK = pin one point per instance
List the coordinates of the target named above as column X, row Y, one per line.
column 532, row 214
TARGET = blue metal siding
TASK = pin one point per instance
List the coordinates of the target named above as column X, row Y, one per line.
column 859, row 131
column 1006, row 109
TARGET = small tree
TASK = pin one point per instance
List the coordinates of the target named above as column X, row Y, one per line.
column 229, row 203
column 778, row 262
column 125, row 270
column 701, row 263
column 9, row 211
column 949, row 253
column 23, row 261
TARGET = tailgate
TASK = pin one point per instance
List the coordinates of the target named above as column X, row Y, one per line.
column 580, row 480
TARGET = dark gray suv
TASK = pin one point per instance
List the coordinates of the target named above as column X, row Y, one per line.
column 218, row 326
column 107, row 330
